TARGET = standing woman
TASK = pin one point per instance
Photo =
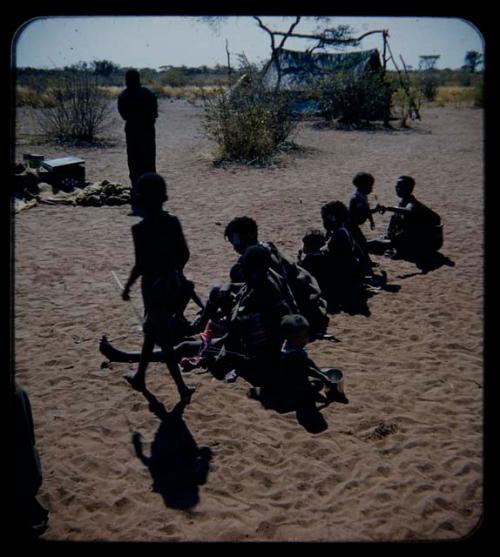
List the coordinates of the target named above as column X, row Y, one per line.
column 138, row 106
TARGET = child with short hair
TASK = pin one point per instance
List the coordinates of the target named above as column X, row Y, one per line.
column 161, row 252
column 298, row 379
column 360, row 212
column 301, row 380
column 312, row 258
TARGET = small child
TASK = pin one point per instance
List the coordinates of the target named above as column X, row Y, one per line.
column 161, row 252
column 220, row 305
column 301, row 379
column 312, row 258
column 360, row 212
column 359, row 206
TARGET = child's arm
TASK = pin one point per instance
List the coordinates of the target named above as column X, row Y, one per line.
column 314, row 371
column 134, row 275
column 197, row 300
column 397, row 210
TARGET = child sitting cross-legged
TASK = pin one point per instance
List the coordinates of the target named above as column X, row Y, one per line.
column 299, row 381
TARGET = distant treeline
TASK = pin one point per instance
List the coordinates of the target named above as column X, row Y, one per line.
column 108, row 74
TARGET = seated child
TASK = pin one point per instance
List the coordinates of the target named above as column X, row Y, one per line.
column 253, row 338
column 301, row 290
column 195, row 353
column 301, row 379
column 312, row 258
column 414, row 230
column 344, row 255
column 298, row 379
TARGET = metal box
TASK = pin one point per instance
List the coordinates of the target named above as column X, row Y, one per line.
column 66, row 172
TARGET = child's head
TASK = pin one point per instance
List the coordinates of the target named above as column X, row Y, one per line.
column 363, row 181
column 404, row 186
column 222, row 298
column 255, row 263
column 151, row 191
column 313, row 240
column 241, row 232
column 295, row 330
column 334, row 214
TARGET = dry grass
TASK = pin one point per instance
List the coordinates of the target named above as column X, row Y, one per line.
column 26, row 96
column 455, row 96
column 188, row 92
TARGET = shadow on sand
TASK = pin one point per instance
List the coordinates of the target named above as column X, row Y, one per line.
column 428, row 264
column 176, row 464
column 357, row 303
column 308, row 416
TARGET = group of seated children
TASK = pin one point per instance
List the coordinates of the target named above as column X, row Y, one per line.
column 339, row 257
column 257, row 324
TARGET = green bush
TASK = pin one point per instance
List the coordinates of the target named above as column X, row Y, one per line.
column 429, row 85
column 479, row 95
column 248, row 123
column 355, row 99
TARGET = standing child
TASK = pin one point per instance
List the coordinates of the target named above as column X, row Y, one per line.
column 161, row 252
column 360, row 211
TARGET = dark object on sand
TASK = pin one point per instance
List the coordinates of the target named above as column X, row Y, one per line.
column 65, row 173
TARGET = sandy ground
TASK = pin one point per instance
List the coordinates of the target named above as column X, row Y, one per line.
column 413, row 368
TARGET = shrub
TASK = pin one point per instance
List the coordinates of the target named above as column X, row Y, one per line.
column 79, row 113
column 479, row 95
column 355, row 99
column 249, row 123
column 405, row 101
column 429, row 85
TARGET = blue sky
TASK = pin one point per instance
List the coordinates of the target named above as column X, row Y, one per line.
column 145, row 41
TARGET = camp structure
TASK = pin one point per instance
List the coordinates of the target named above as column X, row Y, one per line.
column 295, row 70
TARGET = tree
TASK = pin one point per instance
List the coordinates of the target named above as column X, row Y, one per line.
column 325, row 36
column 338, row 37
column 428, row 61
column 472, row 60
column 104, row 68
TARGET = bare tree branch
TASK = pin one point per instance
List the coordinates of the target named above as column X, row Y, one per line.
column 289, row 33
column 229, row 69
column 324, row 39
column 276, row 49
column 267, row 30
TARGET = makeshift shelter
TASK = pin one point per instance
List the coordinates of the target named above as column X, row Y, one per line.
column 301, row 69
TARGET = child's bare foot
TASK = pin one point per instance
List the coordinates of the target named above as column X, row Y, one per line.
column 186, row 394
column 136, row 383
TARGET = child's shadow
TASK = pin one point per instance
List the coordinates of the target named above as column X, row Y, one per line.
column 177, row 465
column 429, row 263
column 308, row 415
